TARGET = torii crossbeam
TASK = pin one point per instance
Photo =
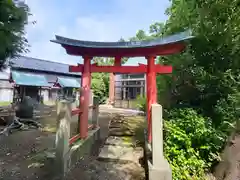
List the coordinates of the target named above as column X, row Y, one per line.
column 149, row 49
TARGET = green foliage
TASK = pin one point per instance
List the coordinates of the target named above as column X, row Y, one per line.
column 99, row 86
column 141, row 103
column 189, row 143
column 205, row 79
column 13, row 18
column 208, row 73
column 100, row 81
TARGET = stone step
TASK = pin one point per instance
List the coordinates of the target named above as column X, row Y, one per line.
column 125, row 141
column 121, row 132
column 120, row 154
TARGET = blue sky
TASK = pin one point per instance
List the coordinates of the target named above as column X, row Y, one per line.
column 105, row 20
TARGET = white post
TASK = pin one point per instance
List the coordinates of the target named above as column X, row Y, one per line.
column 95, row 111
column 90, row 114
column 157, row 136
column 159, row 168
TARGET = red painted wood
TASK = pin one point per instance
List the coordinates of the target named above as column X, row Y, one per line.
column 151, row 92
column 78, row 136
column 74, row 138
column 84, row 98
column 78, row 68
column 76, row 111
column 122, row 69
column 158, row 50
column 142, row 68
column 117, row 63
column 90, row 126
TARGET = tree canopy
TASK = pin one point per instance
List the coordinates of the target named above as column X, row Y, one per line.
column 205, row 80
column 13, row 18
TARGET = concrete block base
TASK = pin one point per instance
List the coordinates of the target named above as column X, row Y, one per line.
column 79, row 151
column 162, row 173
column 84, row 148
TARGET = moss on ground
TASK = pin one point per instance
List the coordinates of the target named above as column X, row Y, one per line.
column 137, row 124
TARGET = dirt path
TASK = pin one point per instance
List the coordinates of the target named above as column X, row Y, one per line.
column 115, row 166
column 18, row 154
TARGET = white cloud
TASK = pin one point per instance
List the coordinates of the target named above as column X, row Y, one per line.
column 51, row 20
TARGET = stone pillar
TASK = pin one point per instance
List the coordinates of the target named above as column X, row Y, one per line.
column 124, row 90
column 142, row 89
column 95, row 112
column 159, row 166
column 90, row 113
column 62, row 137
column 111, row 89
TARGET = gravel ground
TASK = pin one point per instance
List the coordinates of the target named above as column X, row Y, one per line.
column 17, row 150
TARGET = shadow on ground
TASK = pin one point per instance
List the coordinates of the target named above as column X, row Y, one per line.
column 28, row 154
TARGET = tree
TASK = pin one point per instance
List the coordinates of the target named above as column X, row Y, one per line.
column 212, row 61
column 13, row 18
column 140, row 35
column 206, row 76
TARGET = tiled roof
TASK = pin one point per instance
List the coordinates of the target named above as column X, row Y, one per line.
column 29, row 79
column 41, row 65
column 130, row 44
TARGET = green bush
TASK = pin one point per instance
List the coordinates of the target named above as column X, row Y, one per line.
column 191, row 144
column 141, row 103
column 99, row 87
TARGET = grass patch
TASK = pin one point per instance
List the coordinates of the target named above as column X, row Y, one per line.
column 49, row 103
column 137, row 124
column 5, row 103
column 41, row 156
column 49, row 128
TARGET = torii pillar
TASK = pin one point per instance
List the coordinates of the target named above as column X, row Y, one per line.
column 151, row 91
column 84, row 96
column 117, row 62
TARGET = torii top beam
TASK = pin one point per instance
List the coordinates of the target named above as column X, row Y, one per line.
column 161, row 46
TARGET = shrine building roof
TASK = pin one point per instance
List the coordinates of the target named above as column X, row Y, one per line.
column 159, row 46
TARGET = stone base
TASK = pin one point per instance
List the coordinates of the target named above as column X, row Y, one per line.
column 120, row 141
column 119, row 154
column 156, row 173
column 81, row 150
column 84, row 148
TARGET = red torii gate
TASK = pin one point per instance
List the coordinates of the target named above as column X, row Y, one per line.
column 149, row 49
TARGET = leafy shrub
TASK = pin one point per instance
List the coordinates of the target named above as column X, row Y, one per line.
column 190, row 144
column 99, row 86
column 141, row 103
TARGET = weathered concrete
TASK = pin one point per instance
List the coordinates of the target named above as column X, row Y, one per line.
column 158, row 167
column 62, row 136
column 67, row 156
column 160, row 173
column 91, row 102
column 95, row 112
column 83, row 148
column 120, row 141
column 120, row 153
column 157, row 135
